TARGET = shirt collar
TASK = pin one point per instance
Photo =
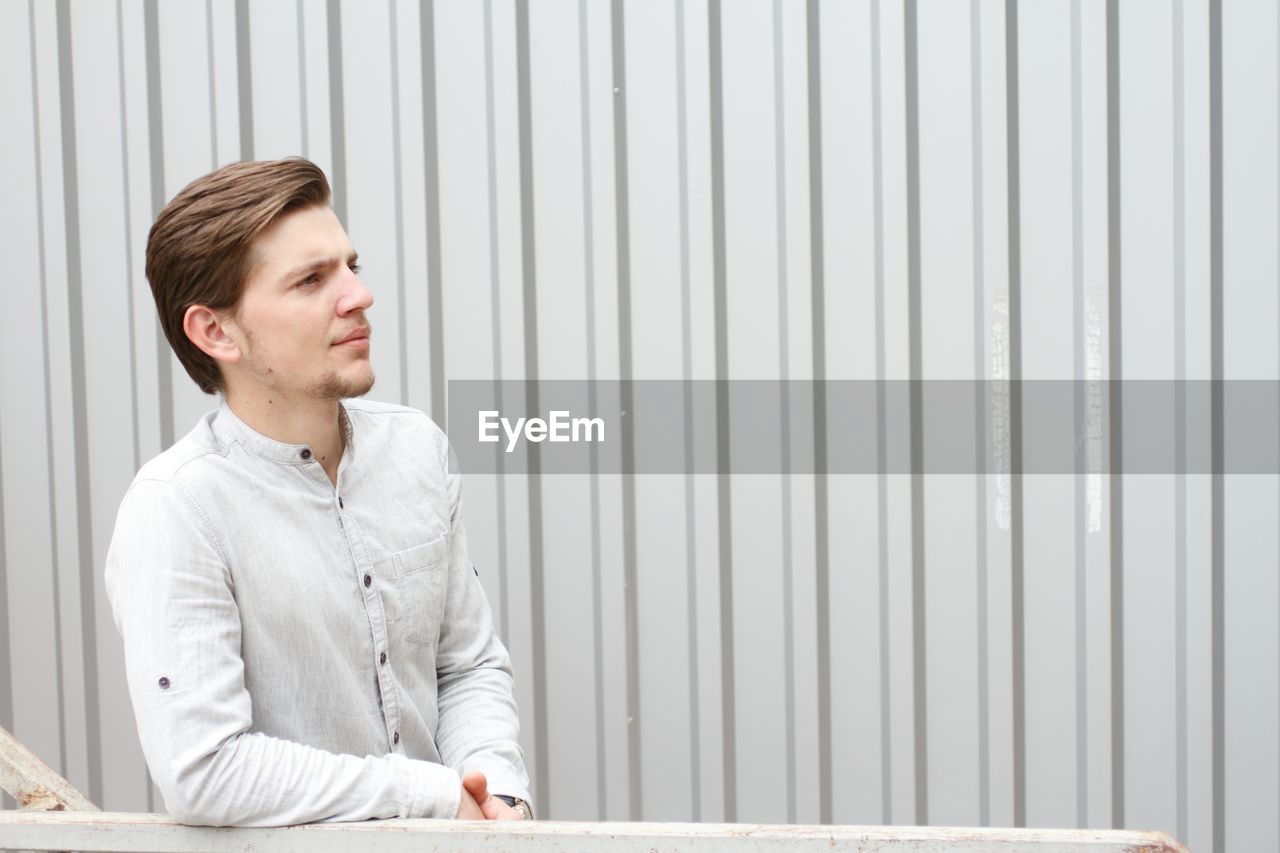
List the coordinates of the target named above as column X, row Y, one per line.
column 228, row 426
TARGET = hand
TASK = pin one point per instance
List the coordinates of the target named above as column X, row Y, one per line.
column 476, row 787
column 468, row 809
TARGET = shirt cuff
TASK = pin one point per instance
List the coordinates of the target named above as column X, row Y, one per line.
column 434, row 789
column 501, row 780
column 508, row 786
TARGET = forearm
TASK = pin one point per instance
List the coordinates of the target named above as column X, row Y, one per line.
column 478, row 728
column 257, row 780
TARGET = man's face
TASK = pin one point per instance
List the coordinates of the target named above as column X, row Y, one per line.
column 300, row 323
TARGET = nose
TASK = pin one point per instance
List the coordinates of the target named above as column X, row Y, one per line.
column 355, row 296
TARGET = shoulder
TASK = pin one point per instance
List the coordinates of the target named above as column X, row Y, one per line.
column 397, row 425
column 378, row 411
column 187, row 461
column 186, row 457
column 177, row 482
column 162, row 515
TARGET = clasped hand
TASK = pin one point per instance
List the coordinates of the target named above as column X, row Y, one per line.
column 478, row 804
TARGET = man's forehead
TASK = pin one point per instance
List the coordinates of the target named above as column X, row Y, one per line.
column 300, row 238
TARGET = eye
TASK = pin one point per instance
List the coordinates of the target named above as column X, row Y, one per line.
column 314, row 278
column 355, row 268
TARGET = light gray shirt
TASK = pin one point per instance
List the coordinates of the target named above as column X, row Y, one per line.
column 298, row 651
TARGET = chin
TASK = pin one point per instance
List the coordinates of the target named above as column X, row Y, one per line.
column 361, row 386
column 344, row 387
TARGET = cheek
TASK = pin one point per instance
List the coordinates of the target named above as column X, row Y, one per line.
column 301, row 346
column 285, row 341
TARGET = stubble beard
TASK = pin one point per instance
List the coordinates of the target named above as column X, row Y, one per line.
column 331, row 387
column 335, row 387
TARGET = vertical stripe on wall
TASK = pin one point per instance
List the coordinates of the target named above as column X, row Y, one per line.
column 303, row 122
column 916, row 405
column 724, row 508
column 529, row 277
column 130, row 267
column 788, row 595
column 242, row 76
column 504, row 625
column 1015, row 418
column 397, row 192
column 588, row 267
column 1079, row 514
column 882, row 492
column 1115, row 326
column 686, row 364
column 1180, row 412
column 431, row 188
column 980, row 371
column 71, row 212
column 48, row 412
column 617, row 31
column 7, row 707
column 155, row 144
column 134, row 409
column 337, row 117
column 821, row 497
column 244, row 80
column 1217, row 543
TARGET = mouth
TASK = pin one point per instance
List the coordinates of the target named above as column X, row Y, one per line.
column 358, row 338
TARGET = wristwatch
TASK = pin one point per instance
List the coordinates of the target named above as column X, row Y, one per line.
column 518, row 804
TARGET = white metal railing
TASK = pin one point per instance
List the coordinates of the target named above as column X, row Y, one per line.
column 102, row 831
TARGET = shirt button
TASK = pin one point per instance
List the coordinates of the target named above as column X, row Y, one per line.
column 368, row 581
column 341, row 505
column 396, row 739
column 382, row 658
column 164, row 682
column 306, row 453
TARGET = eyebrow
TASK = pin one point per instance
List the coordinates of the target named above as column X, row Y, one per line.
column 317, row 264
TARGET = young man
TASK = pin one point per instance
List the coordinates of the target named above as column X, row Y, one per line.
column 305, row 637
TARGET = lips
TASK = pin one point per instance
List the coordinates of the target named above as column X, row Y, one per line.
column 361, row 334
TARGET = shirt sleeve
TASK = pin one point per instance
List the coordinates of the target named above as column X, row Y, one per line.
column 173, row 599
column 478, row 725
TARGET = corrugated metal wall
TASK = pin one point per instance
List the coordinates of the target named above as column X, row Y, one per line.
column 746, row 189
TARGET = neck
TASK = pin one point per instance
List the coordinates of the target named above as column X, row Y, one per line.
column 313, row 422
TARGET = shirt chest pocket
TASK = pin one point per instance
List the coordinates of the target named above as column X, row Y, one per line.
column 422, row 582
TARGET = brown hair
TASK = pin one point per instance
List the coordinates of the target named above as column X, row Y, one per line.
column 198, row 248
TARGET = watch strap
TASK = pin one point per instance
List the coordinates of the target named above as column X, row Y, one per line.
column 518, row 804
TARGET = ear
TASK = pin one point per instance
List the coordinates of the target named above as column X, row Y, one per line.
column 209, row 330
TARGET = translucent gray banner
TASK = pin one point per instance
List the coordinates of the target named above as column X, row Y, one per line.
column 863, row 427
